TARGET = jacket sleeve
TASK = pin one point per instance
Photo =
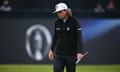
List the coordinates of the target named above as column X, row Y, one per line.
column 54, row 39
column 79, row 38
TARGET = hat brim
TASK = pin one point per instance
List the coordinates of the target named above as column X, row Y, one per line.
column 56, row 11
column 59, row 10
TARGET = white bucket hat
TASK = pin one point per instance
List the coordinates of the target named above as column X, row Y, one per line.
column 60, row 7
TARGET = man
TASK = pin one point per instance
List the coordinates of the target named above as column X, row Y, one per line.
column 67, row 40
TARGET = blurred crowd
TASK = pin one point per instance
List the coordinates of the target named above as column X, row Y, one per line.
column 110, row 6
column 77, row 5
column 5, row 6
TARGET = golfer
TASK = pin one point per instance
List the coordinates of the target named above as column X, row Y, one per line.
column 67, row 41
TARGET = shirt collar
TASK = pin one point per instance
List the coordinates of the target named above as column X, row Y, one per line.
column 64, row 20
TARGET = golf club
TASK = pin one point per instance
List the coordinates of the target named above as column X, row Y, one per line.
column 78, row 60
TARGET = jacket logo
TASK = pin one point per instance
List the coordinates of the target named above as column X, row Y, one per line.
column 68, row 28
column 79, row 29
column 58, row 28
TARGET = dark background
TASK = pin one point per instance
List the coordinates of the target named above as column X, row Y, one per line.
column 101, row 37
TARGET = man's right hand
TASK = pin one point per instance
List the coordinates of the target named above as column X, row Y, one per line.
column 51, row 55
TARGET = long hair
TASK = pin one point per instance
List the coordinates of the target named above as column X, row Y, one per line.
column 69, row 11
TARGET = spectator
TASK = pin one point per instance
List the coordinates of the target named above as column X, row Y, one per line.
column 111, row 5
column 99, row 8
column 5, row 7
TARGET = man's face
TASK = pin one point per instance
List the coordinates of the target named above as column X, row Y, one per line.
column 62, row 14
column 5, row 2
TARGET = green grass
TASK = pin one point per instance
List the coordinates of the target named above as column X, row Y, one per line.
column 48, row 68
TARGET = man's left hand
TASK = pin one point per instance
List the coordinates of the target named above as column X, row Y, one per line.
column 79, row 55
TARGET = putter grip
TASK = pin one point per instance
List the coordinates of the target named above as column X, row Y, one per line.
column 78, row 60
